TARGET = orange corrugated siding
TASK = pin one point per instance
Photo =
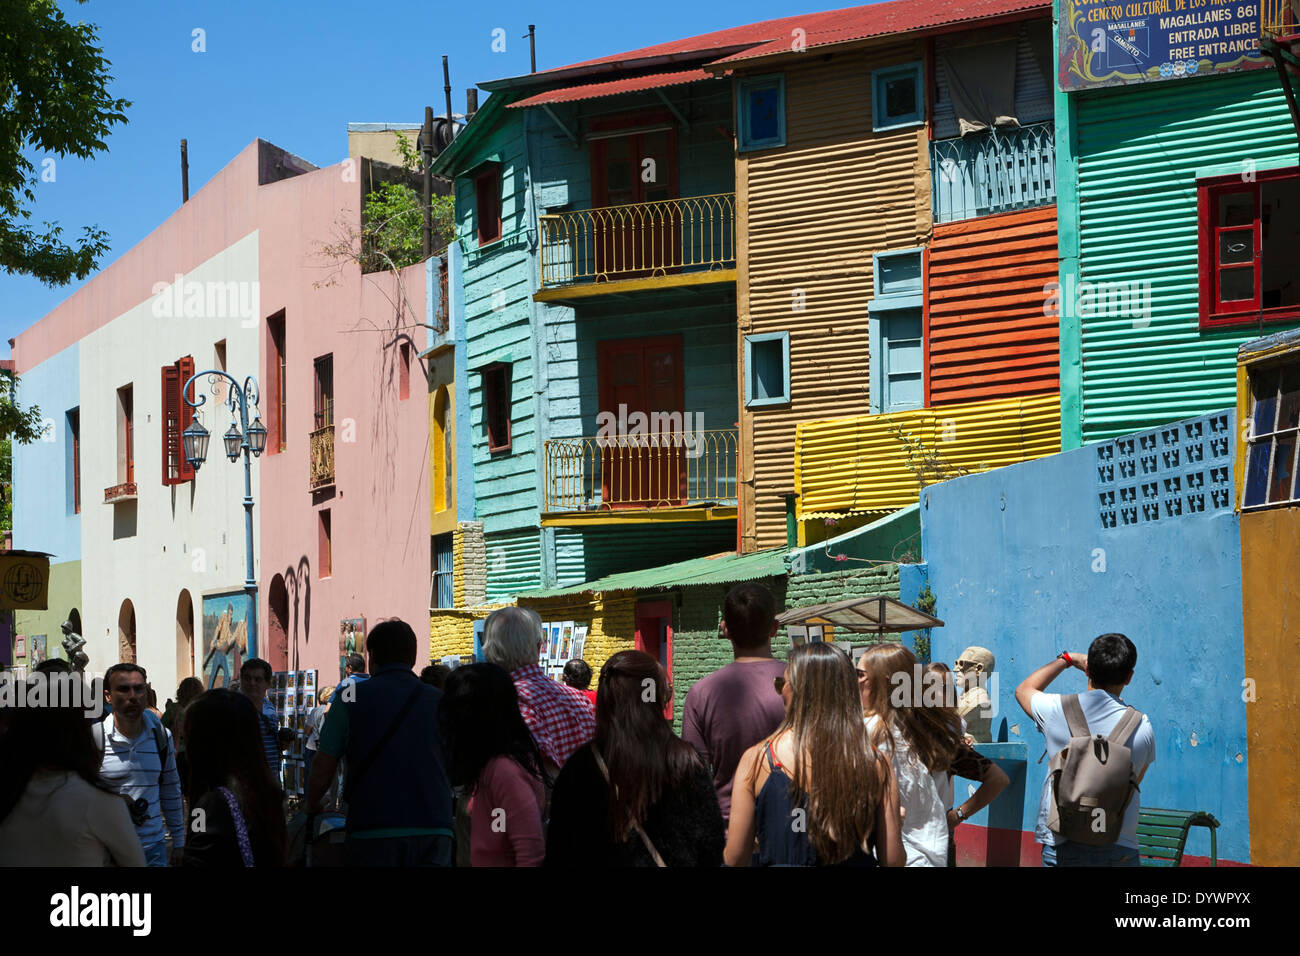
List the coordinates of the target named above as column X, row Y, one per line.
column 988, row 334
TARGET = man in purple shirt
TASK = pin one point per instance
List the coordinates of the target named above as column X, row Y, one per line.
column 734, row 708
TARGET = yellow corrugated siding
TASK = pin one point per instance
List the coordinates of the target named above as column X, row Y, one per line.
column 852, row 464
column 810, row 216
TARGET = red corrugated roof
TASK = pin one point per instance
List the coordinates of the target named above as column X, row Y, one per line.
column 594, row 91
column 820, row 29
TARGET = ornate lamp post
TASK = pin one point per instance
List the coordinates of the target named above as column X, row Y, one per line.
column 251, row 439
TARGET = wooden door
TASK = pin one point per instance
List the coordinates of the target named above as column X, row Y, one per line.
column 634, row 232
column 641, row 384
column 654, row 635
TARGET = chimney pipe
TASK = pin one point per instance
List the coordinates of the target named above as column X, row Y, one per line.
column 471, row 103
column 532, row 47
column 426, row 147
column 185, row 172
column 446, row 87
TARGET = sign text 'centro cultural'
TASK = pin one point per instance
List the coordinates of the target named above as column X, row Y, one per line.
column 1109, row 43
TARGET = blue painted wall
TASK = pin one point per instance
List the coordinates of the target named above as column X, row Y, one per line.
column 43, row 515
column 1025, row 562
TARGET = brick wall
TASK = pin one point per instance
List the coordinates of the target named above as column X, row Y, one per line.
column 611, row 620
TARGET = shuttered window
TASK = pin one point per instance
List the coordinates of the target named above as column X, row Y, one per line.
column 443, row 592
column 897, row 371
column 177, row 414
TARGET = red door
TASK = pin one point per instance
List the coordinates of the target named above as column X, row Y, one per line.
column 641, row 384
column 635, row 232
column 654, row 635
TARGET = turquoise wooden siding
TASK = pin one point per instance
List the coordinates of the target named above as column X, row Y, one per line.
column 1139, row 152
column 590, row 553
column 514, row 563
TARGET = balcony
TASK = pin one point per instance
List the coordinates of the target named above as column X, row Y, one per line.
column 126, row 491
column 996, row 171
column 1279, row 20
column 322, row 458
column 668, row 476
column 610, row 249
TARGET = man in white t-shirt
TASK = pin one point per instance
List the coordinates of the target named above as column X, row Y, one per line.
column 1109, row 665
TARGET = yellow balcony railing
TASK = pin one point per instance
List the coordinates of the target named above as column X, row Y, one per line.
column 322, row 458
column 641, row 472
column 639, row 239
column 1279, row 18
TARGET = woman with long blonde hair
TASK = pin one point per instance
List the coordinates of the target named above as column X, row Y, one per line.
column 910, row 722
column 815, row 792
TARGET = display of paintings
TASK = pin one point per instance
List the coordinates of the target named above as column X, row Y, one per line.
column 566, row 641
column 225, row 637
column 352, row 640
column 291, row 706
column 309, row 683
column 579, row 641
column 562, row 641
column 20, row 646
column 800, row 634
column 554, row 645
column 38, row 651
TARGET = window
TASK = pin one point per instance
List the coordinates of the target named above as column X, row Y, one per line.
column 487, row 204
column 125, row 435
column 74, row 438
column 442, row 456
column 761, row 122
column 767, row 369
column 444, row 300
column 219, row 355
column 1250, row 249
column 277, row 376
column 324, row 401
column 177, row 414
column 897, row 368
column 326, row 556
column 404, row 370
column 896, row 97
column 443, row 584
column 1271, row 439
column 496, row 406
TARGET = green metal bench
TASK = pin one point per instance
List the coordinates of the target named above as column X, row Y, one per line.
column 1162, row 835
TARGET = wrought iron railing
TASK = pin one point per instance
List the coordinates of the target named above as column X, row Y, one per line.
column 639, row 239
column 1279, row 18
column 994, row 171
column 660, row 470
column 322, row 458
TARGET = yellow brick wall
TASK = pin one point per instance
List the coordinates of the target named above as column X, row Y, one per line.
column 611, row 618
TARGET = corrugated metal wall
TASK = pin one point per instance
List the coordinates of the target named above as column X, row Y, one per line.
column 988, row 332
column 1139, row 149
column 585, row 554
column 514, row 563
column 860, row 464
column 810, row 216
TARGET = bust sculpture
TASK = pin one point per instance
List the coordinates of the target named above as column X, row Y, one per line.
column 971, row 674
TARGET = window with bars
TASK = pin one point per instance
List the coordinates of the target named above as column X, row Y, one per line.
column 1271, row 443
column 443, row 589
column 177, row 414
column 324, row 405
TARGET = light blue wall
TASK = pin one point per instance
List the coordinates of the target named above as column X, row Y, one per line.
column 1020, row 563
column 43, row 515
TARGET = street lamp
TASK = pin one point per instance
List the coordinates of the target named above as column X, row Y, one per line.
column 252, row 441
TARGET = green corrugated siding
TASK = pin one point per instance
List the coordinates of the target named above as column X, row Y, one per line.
column 514, row 563
column 1139, row 151
column 591, row 553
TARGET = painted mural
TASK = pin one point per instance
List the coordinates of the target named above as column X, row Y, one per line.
column 352, row 640
column 225, row 637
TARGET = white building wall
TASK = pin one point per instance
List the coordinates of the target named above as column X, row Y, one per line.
column 188, row 536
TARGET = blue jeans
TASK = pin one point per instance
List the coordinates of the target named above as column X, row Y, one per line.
column 1080, row 854
column 156, row 854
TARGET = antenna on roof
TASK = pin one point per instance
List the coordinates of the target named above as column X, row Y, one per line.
column 185, row 172
column 532, row 48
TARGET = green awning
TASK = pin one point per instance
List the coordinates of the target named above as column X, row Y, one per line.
column 726, row 568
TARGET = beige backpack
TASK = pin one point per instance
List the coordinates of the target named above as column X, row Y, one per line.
column 1092, row 779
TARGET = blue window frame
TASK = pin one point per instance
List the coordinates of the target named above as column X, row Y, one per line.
column 761, row 107
column 443, row 579
column 898, row 96
column 767, row 369
column 897, row 333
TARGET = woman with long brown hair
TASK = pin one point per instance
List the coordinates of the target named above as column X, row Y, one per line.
column 910, row 722
column 637, row 795
column 816, row 792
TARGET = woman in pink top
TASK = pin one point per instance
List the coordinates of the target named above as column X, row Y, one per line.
column 492, row 754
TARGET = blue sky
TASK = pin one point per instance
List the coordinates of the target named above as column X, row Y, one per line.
column 296, row 73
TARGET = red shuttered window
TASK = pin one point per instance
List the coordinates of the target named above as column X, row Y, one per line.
column 177, row 415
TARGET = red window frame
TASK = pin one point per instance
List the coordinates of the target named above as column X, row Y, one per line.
column 497, row 384
column 276, row 375
column 487, row 203
column 177, row 415
column 1214, row 312
column 635, row 125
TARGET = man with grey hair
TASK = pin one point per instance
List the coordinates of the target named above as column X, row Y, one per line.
column 560, row 718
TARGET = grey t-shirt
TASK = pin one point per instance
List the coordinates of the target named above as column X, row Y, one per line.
column 728, row 712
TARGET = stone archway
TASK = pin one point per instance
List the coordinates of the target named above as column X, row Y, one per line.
column 184, row 636
column 277, row 625
column 126, row 650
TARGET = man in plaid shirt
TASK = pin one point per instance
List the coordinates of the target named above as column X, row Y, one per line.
column 560, row 718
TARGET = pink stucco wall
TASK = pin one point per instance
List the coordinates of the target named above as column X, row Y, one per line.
column 379, row 506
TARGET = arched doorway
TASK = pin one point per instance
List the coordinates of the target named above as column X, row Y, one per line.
column 126, row 633
column 277, row 625
column 184, row 636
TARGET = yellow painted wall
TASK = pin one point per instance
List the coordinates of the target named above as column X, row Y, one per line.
column 611, row 617
column 1270, row 562
column 809, row 216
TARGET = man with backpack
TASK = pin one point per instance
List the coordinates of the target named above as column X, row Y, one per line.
column 1100, row 749
column 138, row 761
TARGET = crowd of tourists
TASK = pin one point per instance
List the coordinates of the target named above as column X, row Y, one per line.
column 812, row 761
